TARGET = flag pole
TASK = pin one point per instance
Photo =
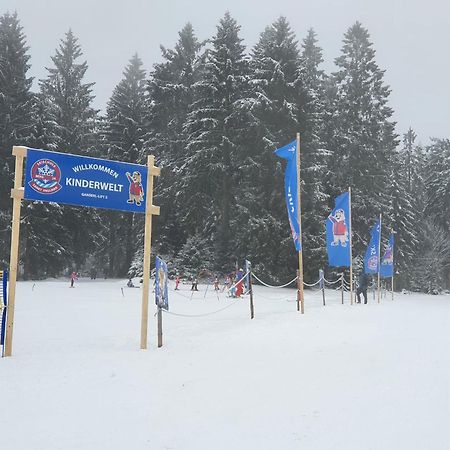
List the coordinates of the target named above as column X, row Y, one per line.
column 379, row 261
column 299, row 218
column 351, row 242
column 392, row 279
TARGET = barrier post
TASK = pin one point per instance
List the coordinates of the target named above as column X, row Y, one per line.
column 342, row 287
column 322, row 285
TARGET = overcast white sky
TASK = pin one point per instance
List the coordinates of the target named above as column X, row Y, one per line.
column 411, row 39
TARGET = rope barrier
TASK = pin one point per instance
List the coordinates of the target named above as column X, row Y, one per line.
column 332, row 282
column 274, row 287
column 311, row 285
column 200, row 315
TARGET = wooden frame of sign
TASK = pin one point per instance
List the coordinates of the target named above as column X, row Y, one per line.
column 17, row 194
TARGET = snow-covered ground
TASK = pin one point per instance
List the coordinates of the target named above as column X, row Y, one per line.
column 344, row 377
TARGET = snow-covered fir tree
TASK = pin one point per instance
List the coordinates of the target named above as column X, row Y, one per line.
column 437, row 210
column 275, row 67
column 407, row 209
column 73, row 119
column 124, row 135
column 313, row 154
column 171, row 93
column 216, row 126
column 363, row 138
column 15, row 114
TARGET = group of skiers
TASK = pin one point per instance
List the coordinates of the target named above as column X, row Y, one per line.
column 233, row 284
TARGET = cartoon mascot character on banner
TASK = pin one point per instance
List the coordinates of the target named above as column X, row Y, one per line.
column 136, row 191
column 340, row 231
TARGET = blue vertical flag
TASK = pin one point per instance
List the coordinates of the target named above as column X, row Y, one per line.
column 289, row 152
column 338, row 232
column 161, row 290
column 372, row 257
column 387, row 262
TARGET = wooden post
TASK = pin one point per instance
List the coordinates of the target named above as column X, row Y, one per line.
column 379, row 263
column 299, row 218
column 160, row 341
column 351, row 242
column 17, row 194
column 250, row 286
column 342, row 288
column 150, row 210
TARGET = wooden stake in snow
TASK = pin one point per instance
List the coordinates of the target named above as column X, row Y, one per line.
column 17, row 194
column 150, row 210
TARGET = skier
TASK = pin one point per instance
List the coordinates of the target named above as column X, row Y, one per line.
column 239, row 283
column 194, row 285
column 216, row 283
column 73, row 277
column 177, row 282
column 226, row 283
column 363, row 283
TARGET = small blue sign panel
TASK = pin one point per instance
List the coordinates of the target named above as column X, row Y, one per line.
column 81, row 180
column 161, row 285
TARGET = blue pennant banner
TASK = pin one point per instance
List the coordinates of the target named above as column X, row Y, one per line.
column 372, row 257
column 289, row 152
column 387, row 262
column 338, row 232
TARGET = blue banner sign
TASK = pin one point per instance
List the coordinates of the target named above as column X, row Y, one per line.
column 289, row 152
column 387, row 263
column 338, row 232
column 372, row 256
column 81, row 180
column 161, row 284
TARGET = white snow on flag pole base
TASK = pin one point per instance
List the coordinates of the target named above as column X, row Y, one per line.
column 78, row 381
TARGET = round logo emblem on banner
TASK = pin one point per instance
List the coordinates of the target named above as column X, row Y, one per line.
column 372, row 263
column 45, row 176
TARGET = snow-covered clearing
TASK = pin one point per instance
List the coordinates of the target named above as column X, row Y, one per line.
column 344, row 377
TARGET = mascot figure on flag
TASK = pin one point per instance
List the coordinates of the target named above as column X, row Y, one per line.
column 340, row 231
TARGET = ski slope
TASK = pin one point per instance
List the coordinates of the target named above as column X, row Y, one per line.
column 341, row 377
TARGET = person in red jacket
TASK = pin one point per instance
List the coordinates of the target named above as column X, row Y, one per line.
column 239, row 283
column 73, row 277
